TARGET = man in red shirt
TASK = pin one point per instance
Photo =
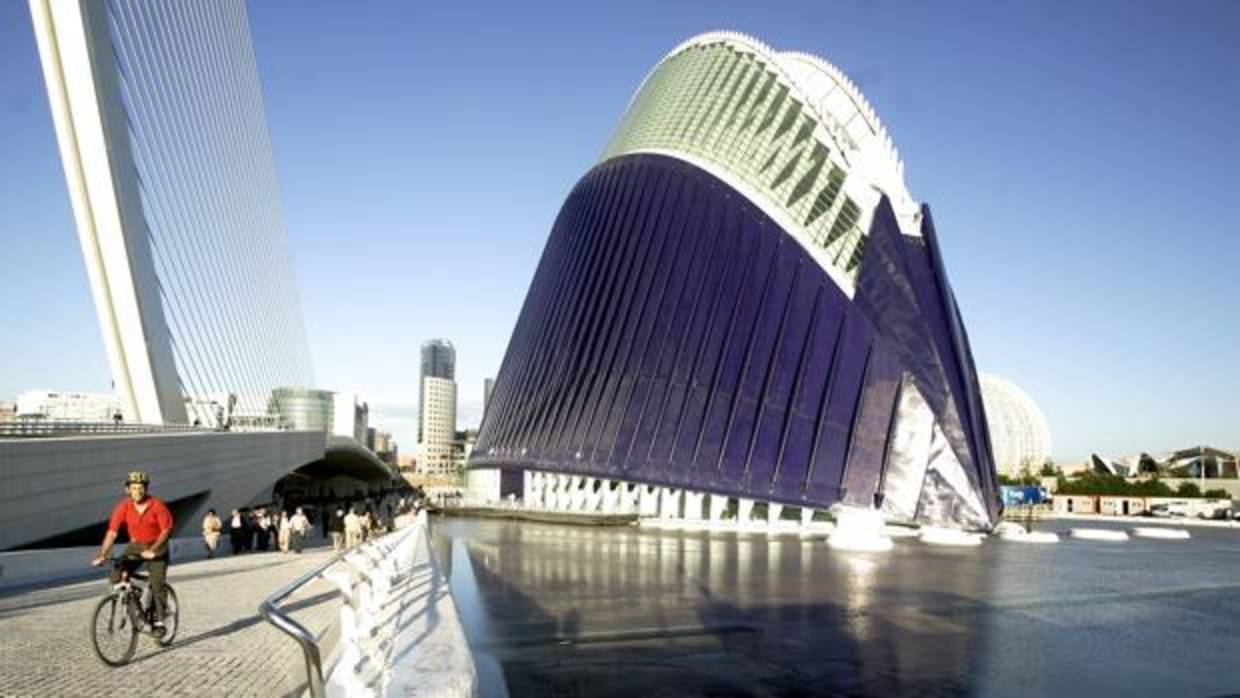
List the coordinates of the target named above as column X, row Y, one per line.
column 149, row 524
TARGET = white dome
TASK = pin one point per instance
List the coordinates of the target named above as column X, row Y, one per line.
column 1019, row 434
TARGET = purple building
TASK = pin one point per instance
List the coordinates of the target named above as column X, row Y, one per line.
column 742, row 298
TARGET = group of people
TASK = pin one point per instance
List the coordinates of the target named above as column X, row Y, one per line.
column 256, row 530
column 350, row 529
column 149, row 524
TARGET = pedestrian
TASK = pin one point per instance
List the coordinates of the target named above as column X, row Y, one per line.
column 252, row 542
column 352, row 529
column 236, row 532
column 335, row 526
column 264, row 530
column 285, row 531
column 211, row 527
column 299, row 526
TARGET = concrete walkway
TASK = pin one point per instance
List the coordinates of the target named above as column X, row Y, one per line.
column 223, row 648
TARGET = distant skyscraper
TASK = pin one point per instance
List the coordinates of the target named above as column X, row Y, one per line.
column 438, row 361
column 436, row 406
column 437, row 423
column 488, row 385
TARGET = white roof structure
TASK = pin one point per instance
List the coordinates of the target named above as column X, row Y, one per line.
column 1019, row 434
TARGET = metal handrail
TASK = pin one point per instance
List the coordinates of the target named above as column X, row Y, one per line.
column 270, row 611
column 23, row 428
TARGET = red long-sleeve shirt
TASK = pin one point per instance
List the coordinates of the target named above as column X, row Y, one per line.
column 143, row 527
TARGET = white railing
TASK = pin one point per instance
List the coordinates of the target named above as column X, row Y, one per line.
column 387, row 585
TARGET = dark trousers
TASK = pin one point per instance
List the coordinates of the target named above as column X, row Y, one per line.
column 157, row 571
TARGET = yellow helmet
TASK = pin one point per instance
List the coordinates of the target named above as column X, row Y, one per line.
column 137, row 477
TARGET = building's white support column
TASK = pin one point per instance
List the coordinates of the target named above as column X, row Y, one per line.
column 563, row 496
column 773, row 512
column 531, row 492
column 718, row 507
column 669, row 503
column 807, row 519
column 744, row 512
column 693, row 505
column 596, row 491
column 648, row 500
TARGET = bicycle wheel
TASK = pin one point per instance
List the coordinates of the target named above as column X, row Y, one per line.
column 172, row 616
column 112, row 632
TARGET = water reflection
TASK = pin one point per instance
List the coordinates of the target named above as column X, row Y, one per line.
column 618, row 611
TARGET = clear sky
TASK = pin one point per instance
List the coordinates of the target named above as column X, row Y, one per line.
column 1081, row 160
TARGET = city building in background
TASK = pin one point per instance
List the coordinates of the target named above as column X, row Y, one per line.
column 188, row 261
column 385, row 447
column 462, row 446
column 1020, row 438
column 66, row 406
column 8, row 411
column 437, row 426
column 304, row 409
column 438, row 361
column 350, row 417
column 780, row 322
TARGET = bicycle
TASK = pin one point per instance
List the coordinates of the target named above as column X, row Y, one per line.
column 127, row 610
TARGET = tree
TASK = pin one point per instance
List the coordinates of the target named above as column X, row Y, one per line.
column 1188, row 489
column 1049, row 469
column 1218, row 493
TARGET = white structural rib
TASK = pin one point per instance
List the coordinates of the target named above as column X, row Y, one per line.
column 90, row 130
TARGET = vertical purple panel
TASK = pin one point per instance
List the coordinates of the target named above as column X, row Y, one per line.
column 789, row 357
column 863, row 469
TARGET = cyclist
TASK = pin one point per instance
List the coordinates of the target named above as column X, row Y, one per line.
column 149, row 524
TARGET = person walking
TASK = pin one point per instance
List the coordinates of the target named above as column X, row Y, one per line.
column 335, row 526
column 211, row 527
column 352, row 529
column 263, row 526
column 285, row 531
column 236, row 532
column 299, row 525
column 368, row 523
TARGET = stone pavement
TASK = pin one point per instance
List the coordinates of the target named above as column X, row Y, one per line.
column 223, row 648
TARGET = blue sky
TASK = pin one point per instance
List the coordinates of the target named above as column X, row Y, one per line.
column 1080, row 160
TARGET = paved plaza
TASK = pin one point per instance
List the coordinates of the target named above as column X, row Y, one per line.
column 223, row 648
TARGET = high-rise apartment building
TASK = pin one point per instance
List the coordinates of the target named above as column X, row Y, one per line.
column 438, row 361
column 437, row 424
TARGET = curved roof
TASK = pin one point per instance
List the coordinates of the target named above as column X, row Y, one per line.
column 1019, row 433
column 818, row 81
column 789, row 131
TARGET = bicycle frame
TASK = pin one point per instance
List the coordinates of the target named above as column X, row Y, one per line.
column 130, row 596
